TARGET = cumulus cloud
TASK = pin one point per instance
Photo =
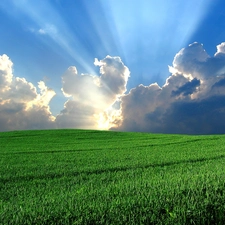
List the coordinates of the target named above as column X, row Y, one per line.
column 91, row 100
column 21, row 106
column 5, row 73
column 195, row 61
column 188, row 88
column 220, row 48
column 192, row 101
column 91, row 97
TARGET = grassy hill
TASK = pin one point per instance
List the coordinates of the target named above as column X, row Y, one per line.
column 95, row 177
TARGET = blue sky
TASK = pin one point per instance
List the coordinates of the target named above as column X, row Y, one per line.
column 43, row 38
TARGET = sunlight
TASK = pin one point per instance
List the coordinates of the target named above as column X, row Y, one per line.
column 50, row 26
column 149, row 33
column 155, row 22
column 102, row 120
column 145, row 34
column 110, row 118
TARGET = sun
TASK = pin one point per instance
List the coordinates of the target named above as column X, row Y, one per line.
column 103, row 122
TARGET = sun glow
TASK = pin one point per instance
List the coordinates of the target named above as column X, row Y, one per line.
column 103, row 122
column 110, row 118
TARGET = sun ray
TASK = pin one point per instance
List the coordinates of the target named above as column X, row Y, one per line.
column 149, row 33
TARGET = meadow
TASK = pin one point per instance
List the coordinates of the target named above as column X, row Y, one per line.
column 104, row 177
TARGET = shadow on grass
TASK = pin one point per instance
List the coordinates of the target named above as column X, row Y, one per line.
column 104, row 149
column 105, row 170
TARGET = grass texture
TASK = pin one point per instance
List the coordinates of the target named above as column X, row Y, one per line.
column 103, row 177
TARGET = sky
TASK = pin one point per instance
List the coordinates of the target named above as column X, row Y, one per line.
column 140, row 65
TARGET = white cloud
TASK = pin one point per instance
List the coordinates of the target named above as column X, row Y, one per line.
column 220, row 48
column 91, row 96
column 5, row 73
column 49, row 29
column 41, row 31
column 25, row 106
column 195, row 61
column 191, row 101
column 21, row 106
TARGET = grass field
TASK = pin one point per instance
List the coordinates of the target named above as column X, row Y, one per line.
column 94, row 177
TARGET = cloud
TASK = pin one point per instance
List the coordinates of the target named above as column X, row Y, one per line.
column 92, row 96
column 90, row 100
column 49, row 29
column 5, row 73
column 195, row 61
column 188, row 88
column 205, row 116
column 190, row 102
column 220, row 48
column 41, row 31
column 21, row 106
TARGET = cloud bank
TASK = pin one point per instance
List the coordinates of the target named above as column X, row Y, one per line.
column 192, row 100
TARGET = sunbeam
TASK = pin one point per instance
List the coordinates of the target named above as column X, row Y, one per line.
column 151, row 32
column 46, row 22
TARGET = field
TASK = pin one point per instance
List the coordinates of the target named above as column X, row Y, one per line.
column 95, row 177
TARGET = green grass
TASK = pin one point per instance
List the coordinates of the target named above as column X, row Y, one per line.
column 94, row 177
